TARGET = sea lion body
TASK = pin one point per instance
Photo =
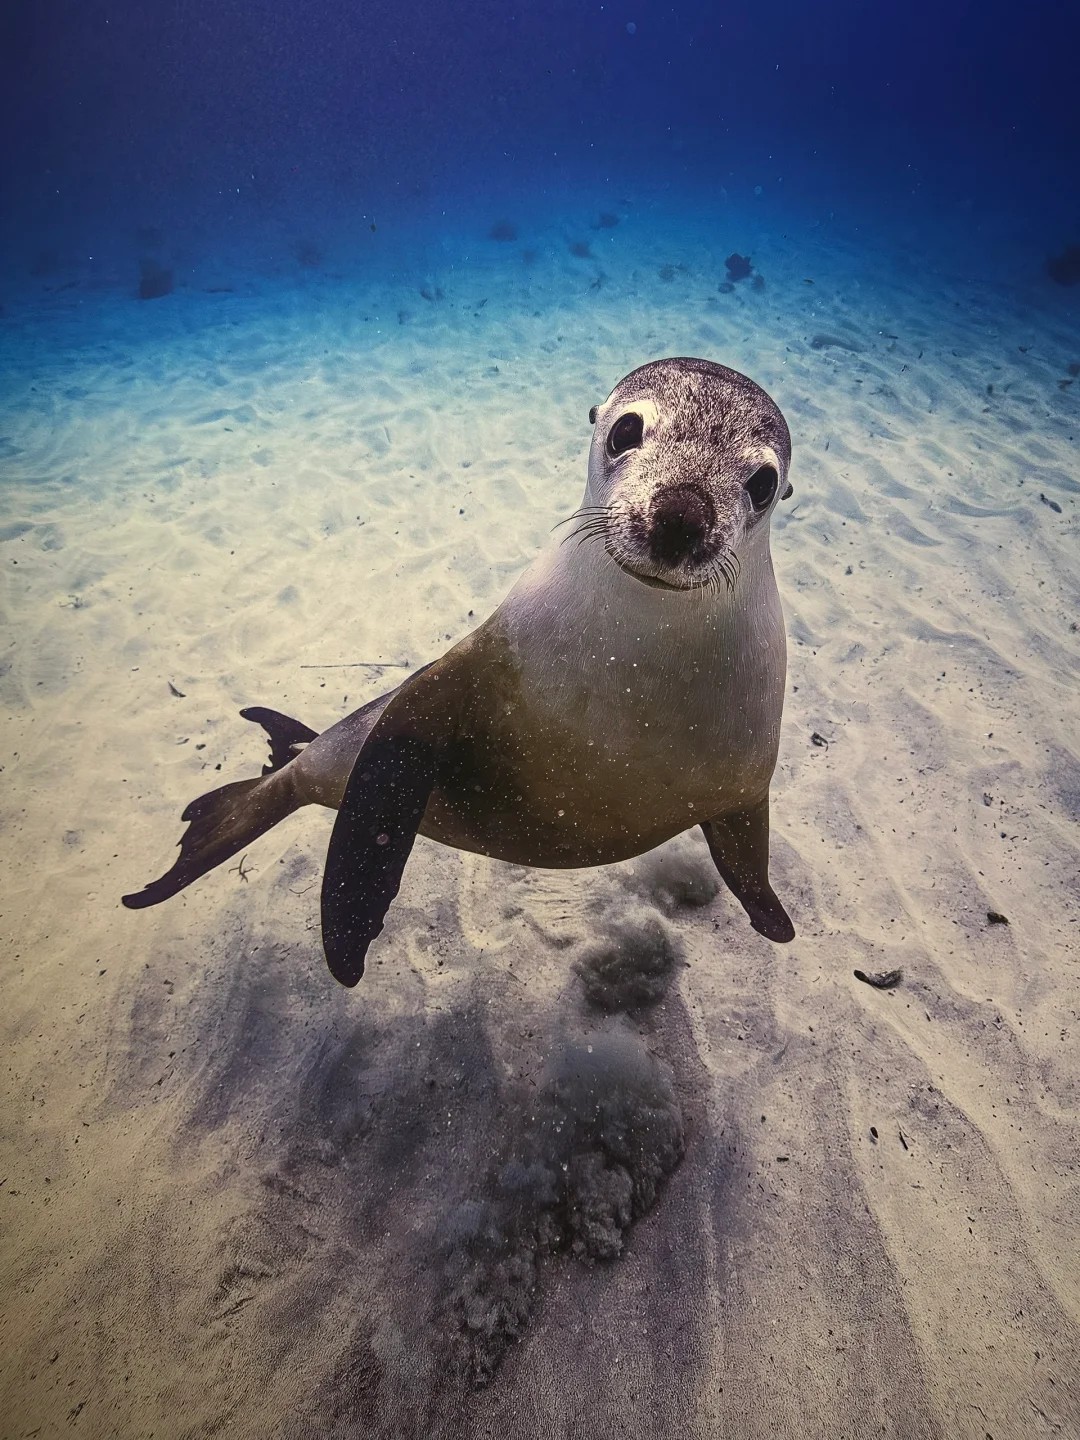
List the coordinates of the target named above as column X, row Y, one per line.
column 601, row 726
column 628, row 687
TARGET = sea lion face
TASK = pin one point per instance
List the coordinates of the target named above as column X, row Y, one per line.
column 687, row 462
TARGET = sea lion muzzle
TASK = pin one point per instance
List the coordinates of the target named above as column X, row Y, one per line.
column 679, row 526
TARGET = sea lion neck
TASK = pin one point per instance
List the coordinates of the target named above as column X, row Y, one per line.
column 574, row 601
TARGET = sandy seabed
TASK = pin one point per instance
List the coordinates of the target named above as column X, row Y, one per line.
column 583, row 1155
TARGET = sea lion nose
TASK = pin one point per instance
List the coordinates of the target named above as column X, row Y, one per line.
column 680, row 520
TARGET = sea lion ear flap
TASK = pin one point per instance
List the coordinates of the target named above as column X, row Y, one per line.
column 383, row 805
column 789, row 490
column 592, row 415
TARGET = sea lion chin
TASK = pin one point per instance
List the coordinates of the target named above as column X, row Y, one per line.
column 629, row 687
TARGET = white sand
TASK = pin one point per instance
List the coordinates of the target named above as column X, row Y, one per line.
column 237, row 1199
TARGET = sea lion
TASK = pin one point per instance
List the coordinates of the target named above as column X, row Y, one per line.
column 629, row 687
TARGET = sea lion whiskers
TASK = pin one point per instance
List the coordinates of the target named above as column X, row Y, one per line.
column 586, row 511
column 728, row 564
column 591, row 527
column 594, row 521
column 618, row 554
column 587, row 535
column 710, row 580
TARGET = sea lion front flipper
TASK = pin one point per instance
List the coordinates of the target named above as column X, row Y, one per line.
column 739, row 845
column 380, row 813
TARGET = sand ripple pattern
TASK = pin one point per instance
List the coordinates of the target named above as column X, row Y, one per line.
column 584, row 1155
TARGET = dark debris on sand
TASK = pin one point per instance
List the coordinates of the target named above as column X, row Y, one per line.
column 307, row 254
column 154, row 280
column 883, row 980
column 1064, row 269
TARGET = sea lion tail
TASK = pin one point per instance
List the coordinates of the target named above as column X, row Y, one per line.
column 225, row 821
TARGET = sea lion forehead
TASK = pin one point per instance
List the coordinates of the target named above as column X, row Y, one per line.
column 686, row 396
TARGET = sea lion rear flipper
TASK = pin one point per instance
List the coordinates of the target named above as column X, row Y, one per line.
column 220, row 825
column 284, row 733
column 383, row 806
column 739, row 845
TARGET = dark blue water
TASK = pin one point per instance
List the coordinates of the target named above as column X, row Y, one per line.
column 210, row 123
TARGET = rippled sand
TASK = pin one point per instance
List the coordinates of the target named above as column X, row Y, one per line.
column 238, row 1199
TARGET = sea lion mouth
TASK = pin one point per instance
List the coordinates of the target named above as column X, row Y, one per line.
column 676, row 543
column 718, row 566
column 653, row 580
column 722, row 570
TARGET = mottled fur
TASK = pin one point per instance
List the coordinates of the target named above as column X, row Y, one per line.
column 710, row 429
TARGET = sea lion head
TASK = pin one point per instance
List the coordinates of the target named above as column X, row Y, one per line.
column 687, row 463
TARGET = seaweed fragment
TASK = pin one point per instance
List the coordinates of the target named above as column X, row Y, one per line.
column 880, row 980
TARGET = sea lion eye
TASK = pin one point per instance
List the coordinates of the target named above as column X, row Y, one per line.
column 761, row 487
column 626, row 433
